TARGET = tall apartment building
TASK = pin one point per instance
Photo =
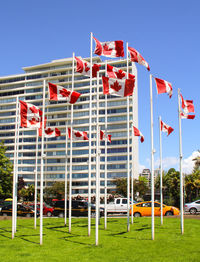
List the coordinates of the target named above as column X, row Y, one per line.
column 29, row 86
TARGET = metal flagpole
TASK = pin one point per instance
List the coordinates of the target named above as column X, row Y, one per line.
column 128, row 150
column 66, row 176
column 71, row 144
column 36, row 181
column 97, row 166
column 42, row 165
column 152, row 162
column 161, row 180
column 180, row 164
column 132, row 174
column 14, row 170
column 134, row 139
column 90, row 141
column 106, row 142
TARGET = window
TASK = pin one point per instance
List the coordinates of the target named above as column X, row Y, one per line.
column 148, row 204
column 156, row 204
column 124, row 201
column 118, row 201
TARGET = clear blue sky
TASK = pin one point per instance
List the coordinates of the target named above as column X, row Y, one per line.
column 166, row 33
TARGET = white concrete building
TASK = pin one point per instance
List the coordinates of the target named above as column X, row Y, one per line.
column 29, row 86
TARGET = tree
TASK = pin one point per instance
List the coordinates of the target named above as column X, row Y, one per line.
column 27, row 194
column 20, row 186
column 192, row 185
column 140, row 185
column 121, row 186
column 57, row 190
column 6, row 176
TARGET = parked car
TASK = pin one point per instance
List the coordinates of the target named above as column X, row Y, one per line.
column 22, row 210
column 79, row 208
column 193, row 207
column 119, row 205
column 47, row 210
column 144, row 209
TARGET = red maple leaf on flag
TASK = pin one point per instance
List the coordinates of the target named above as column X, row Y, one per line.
column 86, row 67
column 116, row 86
column 33, row 121
column 49, row 131
column 78, row 134
column 120, row 74
column 34, row 110
column 106, row 48
column 65, row 92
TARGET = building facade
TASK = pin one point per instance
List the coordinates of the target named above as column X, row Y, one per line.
column 29, row 87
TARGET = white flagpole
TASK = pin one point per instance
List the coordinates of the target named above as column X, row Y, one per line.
column 36, row 180
column 90, row 141
column 106, row 142
column 42, row 165
column 66, row 176
column 161, row 180
column 128, row 150
column 14, row 169
column 135, row 151
column 180, row 164
column 97, row 166
column 152, row 162
column 132, row 174
column 71, row 145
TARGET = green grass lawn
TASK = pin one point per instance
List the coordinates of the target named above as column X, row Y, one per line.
column 115, row 244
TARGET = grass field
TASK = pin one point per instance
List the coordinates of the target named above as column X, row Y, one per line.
column 115, row 244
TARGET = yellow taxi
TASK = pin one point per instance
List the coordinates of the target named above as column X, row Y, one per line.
column 144, row 209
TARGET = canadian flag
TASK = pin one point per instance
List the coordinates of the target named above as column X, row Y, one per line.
column 109, row 49
column 30, row 115
column 163, row 86
column 103, row 136
column 186, row 116
column 59, row 93
column 138, row 133
column 77, row 135
column 118, row 87
column 187, row 105
column 165, row 128
column 136, row 57
column 50, row 132
column 83, row 67
column 114, row 72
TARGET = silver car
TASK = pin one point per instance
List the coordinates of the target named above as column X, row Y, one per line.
column 193, row 207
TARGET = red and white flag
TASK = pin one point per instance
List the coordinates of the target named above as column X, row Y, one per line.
column 165, row 128
column 118, row 87
column 30, row 115
column 59, row 93
column 186, row 116
column 136, row 57
column 77, row 135
column 109, row 49
column 50, row 132
column 163, row 86
column 114, row 72
column 138, row 133
column 83, row 67
column 187, row 105
column 103, row 136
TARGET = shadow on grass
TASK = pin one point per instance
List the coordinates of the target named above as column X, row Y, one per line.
column 4, row 236
column 23, row 237
column 70, row 239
